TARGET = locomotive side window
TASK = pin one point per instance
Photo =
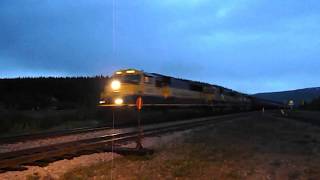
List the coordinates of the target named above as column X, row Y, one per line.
column 180, row 84
column 166, row 81
column 158, row 83
column 195, row 87
column 232, row 94
column 148, row 79
column 209, row 90
column 221, row 90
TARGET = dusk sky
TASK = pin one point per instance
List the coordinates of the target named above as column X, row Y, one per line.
column 247, row 45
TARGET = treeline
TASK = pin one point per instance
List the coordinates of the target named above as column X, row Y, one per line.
column 50, row 92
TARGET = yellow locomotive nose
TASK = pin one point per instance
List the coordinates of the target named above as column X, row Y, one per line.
column 115, row 85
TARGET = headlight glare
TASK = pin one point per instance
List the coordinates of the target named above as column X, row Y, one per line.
column 115, row 85
column 118, row 101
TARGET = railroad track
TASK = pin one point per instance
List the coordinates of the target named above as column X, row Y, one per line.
column 43, row 135
column 41, row 156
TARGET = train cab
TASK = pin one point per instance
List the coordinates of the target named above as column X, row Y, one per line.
column 123, row 88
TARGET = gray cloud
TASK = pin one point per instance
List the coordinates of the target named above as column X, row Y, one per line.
column 247, row 45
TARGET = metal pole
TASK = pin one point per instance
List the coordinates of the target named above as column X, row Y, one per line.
column 139, row 140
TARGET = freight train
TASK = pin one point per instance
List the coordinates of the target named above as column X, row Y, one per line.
column 127, row 86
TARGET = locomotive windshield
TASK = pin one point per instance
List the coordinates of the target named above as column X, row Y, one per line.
column 133, row 78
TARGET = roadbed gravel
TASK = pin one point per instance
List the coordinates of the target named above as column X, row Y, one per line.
column 56, row 170
column 258, row 146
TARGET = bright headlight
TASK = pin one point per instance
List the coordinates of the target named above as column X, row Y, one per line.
column 118, row 101
column 115, row 85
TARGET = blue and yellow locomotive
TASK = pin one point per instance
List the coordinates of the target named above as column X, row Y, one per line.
column 125, row 86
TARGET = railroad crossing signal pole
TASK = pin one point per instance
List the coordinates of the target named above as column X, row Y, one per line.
column 139, row 104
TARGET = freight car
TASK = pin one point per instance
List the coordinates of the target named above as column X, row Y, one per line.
column 125, row 86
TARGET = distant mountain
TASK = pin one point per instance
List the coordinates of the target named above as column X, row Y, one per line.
column 299, row 95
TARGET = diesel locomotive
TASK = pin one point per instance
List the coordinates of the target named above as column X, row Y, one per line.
column 126, row 86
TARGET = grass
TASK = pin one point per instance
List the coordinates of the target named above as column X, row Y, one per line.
column 181, row 168
column 22, row 122
column 133, row 168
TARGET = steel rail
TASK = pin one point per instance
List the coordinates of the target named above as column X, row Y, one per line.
column 50, row 134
